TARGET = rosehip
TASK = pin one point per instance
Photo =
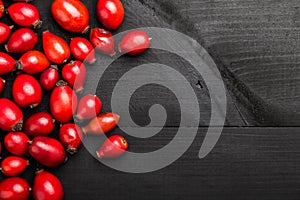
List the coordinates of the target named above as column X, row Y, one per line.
column 14, row 165
column 134, row 42
column 26, row 91
column 103, row 41
column 46, row 186
column 82, row 50
column 14, row 188
column 11, row 117
column 70, row 136
column 21, row 41
column 1, row 8
column 40, row 123
column 16, row 143
column 2, row 85
column 102, row 124
column 7, row 63
column 5, row 31
column 32, row 62
column 75, row 74
column 71, row 15
column 110, row 13
column 63, row 102
column 25, row 14
column 49, row 78
column 113, row 146
column 89, row 107
column 56, row 49
column 47, row 151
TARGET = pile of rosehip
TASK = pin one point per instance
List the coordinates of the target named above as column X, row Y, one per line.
column 24, row 138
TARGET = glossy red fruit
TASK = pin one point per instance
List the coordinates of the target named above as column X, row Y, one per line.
column 89, row 107
column 71, row 15
column 11, row 117
column 47, row 151
column 63, row 102
column 82, row 50
column 112, row 147
column 2, row 85
column 5, row 31
column 49, row 78
column 40, row 123
column 17, row 143
column 14, row 188
column 103, row 41
column 32, row 62
column 110, row 13
column 14, row 165
column 1, row 8
column 46, row 186
column 25, row 14
column 7, row 63
column 23, row 0
column 22, row 40
column 26, row 91
column 102, row 124
column 56, row 49
column 134, row 42
column 75, row 74
column 70, row 136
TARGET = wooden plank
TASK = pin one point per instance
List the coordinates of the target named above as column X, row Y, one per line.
column 246, row 163
column 256, row 46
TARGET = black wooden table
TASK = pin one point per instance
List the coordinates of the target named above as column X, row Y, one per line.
column 255, row 45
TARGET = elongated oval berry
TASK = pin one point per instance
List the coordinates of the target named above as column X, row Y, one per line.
column 134, row 42
column 70, row 136
column 26, row 91
column 49, row 78
column 82, row 50
column 110, row 13
column 103, row 41
column 63, row 102
column 25, row 14
column 40, row 123
column 2, row 85
column 47, row 151
column 56, row 49
column 75, row 74
column 17, row 143
column 22, row 40
column 32, row 62
column 7, row 63
column 14, row 165
column 11, row 117
column 102, row 124
column 1, row 8
column 5, row 31
column 89, row 107
column 14, row 188
column 112, row 147
column 46, row 186
column 71, row 15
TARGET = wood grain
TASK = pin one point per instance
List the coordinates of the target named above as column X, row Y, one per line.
column 247, row 163
column 256, row 46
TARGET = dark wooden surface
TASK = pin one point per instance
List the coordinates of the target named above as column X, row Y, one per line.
column 255, row 45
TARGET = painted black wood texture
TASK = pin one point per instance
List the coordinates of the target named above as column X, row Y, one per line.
column 255, row 45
